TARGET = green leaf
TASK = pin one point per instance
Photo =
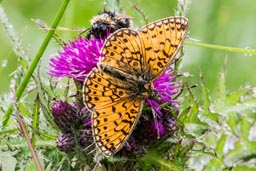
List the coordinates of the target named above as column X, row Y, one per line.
column 206, row 99
column 35, row 119
column 243, row 168
column 206, row 114
column 220, row 146
column 24, row 110
column 152, row 159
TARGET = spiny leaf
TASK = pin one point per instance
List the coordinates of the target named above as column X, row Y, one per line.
column 206, row 113
column 206, row 99
column 151, row 159
column 35, row 119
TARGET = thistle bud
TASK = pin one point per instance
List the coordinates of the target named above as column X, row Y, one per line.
column 65, row 142
column 64, row 115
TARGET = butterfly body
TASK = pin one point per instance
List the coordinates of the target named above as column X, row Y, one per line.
column 139, row 86
column 115, row 91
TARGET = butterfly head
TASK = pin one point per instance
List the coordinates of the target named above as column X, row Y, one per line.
column 146, row 90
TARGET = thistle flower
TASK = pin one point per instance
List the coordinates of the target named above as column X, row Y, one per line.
column 69, row 117
column 158, row 128
column 85, row 137
column 64, row 115
column 65, row 142
column 170, row 124
column 165, row 88
column 77, row 59
column 151, row 130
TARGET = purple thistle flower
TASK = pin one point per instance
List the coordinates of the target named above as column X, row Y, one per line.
column 171, row 125
column 165, row 88
column 77, row 59
column 85, row 137
column 64, row 115
column 158, row 129
column 65, row 142
column 150, row 130
column 69, row 117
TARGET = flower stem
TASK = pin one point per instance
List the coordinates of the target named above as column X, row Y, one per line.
column 35, row 61
column 225, row 48
column 32, row 150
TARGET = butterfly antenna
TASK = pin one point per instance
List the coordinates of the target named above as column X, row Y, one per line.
column 89, row 146
column 183, row 87
column 91, row 151
column 86, row 30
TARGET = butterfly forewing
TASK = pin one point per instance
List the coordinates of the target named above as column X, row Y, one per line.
column 101, row 89
column 122, row 51
column 162, row 40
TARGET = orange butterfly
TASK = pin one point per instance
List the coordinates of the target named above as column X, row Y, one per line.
column 115, row 91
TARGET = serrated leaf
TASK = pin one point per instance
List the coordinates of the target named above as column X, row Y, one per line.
column 234, row 103
column 233, row 121
column 206, row 99
column 241, row 152
column 220, row 145
column 35, row 119
column 189, row 117
column 213, row 165
column 245, row 126
column 243, row 168
column 114, row 159
column 235, row 97
column 151, row 158
column 207, row 103
column 24, row 110
column 184, row 114
column 221, row 93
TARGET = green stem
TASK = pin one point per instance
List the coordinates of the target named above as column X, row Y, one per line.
column 225, row 48
column 35, row 61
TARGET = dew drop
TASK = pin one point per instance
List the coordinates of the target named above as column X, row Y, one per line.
column 4, row 63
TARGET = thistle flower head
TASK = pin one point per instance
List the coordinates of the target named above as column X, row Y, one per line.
column 165, row 88
column 65, row 142
column 76, row 59
column 64, row 115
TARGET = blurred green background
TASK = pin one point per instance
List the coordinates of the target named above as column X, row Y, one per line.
column 227, row 23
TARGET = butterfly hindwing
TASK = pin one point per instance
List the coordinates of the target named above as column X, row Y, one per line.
column 113, row 124
column 115, row 110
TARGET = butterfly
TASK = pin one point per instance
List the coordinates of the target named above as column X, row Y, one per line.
column 115, row 90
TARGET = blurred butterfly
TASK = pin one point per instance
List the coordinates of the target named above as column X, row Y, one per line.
column 116, row 89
